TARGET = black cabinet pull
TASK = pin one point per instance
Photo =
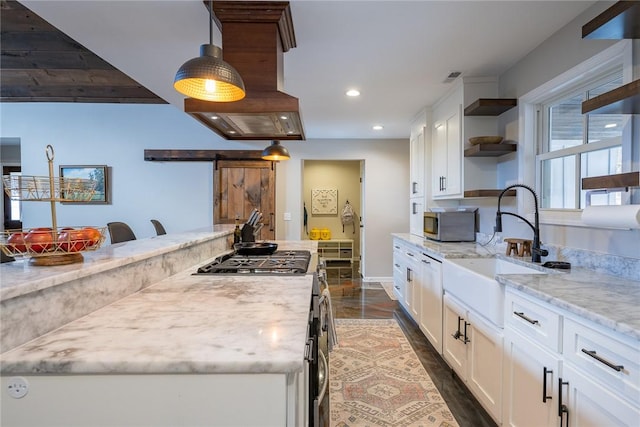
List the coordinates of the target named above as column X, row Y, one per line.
column 414, row 187
column 466, row 340
column 521, row 315
column 457, row 334
column 408, row 274
column 545, row 371
column 562, row 409
column 593, row 354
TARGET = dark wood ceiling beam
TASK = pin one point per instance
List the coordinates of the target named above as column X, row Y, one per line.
column 39, row 63
column 98, row 94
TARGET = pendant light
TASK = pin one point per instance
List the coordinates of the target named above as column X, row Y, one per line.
column 209, row 77
column 275, row 152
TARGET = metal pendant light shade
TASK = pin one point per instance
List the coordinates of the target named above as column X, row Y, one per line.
column 275, row 152
column 209, row 77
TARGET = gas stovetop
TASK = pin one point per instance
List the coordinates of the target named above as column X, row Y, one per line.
column 280, row 262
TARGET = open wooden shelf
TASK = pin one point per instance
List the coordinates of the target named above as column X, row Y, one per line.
column 623, row 100
column 488, row 193
column 490, row 150
column 620, row 21
column 629, row 179
column 490, row 106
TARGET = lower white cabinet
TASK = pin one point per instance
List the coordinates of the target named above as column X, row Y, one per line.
column 430, row 316
column 588, row 404
column 473, row 347
column 530, row 383
column 562, row 370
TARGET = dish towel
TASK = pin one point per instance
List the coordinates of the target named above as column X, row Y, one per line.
column 326, row 319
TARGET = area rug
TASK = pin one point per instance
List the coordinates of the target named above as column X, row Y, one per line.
column 376, row 379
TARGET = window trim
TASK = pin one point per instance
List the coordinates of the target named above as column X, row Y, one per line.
column 530, row 126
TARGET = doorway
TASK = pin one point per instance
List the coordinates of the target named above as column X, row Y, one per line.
column 334, row 183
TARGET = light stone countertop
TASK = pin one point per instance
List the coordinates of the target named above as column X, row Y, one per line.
column 182, row 324
column 19, row 277
column 608, row 300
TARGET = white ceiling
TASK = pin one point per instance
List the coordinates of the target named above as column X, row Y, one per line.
column 397, row 53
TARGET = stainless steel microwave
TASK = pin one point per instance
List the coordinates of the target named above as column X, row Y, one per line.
column 453, row 226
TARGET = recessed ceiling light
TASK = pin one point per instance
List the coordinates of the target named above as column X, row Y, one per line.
column 610, row 125
column 353, row 92
column 284, row 117
column 378, row 127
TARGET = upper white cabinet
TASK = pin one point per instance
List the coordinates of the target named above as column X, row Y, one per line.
column 417, row 173
column 458, row 169
column 446, row 149
column 417, row 164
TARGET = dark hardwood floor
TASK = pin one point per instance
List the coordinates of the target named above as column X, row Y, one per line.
column 353, row 301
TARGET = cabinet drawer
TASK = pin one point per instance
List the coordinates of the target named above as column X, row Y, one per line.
column 534, row 320
column 607, row 358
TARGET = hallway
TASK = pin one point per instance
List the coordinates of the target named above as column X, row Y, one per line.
column 351, row 301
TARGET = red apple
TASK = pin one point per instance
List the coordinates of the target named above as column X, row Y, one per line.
column 39, row 239
column 71, row 240
column 16, row 241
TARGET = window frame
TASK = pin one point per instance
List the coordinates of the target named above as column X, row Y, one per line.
column 531, row 128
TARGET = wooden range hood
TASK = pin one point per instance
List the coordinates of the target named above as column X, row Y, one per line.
column 254, row 37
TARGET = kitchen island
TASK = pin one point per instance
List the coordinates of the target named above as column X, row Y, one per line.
column 187, row 350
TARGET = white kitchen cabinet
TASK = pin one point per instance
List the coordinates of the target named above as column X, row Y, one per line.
column 399, row 270
column 455, row 176
column 473, row 347
column 532, row 363
column 406, row 276
column 416, row 171
column 447, row 148
column 430, row 318
column 590, row 373
column 588, row 404
column 416, row 216
column 530, row 383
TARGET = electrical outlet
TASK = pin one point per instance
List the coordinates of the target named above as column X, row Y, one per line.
column 18, row 387
column 287, row 216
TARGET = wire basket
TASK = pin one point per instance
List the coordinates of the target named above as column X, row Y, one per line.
column 45, row 242
column 44, row 188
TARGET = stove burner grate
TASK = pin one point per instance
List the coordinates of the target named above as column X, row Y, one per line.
column 280, row 262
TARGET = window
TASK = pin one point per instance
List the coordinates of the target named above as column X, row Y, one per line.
column 573, row 145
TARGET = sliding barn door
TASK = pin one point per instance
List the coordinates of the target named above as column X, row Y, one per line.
column 239, row 187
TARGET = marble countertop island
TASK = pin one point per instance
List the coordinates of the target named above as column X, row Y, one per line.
column 183, row 324
column 20, row 278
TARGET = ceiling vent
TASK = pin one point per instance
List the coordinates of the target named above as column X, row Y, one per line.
column 452, row 76
column 254, row 37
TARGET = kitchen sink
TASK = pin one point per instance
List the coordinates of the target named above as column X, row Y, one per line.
column 490, row 267
column 472, row 280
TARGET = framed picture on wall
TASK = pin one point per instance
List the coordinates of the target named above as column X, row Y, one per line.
column 99, row 173
column 324, row 201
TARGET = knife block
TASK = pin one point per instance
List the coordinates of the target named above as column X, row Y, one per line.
column 247, row 233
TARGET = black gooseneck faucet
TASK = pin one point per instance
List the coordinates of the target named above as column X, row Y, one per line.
column 536, row 252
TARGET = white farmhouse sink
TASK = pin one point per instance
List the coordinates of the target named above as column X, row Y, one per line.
column 472, row 280
column 490, row 267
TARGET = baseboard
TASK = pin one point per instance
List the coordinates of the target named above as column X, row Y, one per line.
column 377, row 279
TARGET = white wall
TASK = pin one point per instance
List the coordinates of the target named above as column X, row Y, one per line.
column 179, row 194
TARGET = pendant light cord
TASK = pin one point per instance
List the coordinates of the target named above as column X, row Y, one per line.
column 210, row 21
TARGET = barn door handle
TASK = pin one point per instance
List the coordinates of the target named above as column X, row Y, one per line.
column 271, row 222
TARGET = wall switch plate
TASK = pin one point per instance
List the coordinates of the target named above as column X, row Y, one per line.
column 287, row 216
